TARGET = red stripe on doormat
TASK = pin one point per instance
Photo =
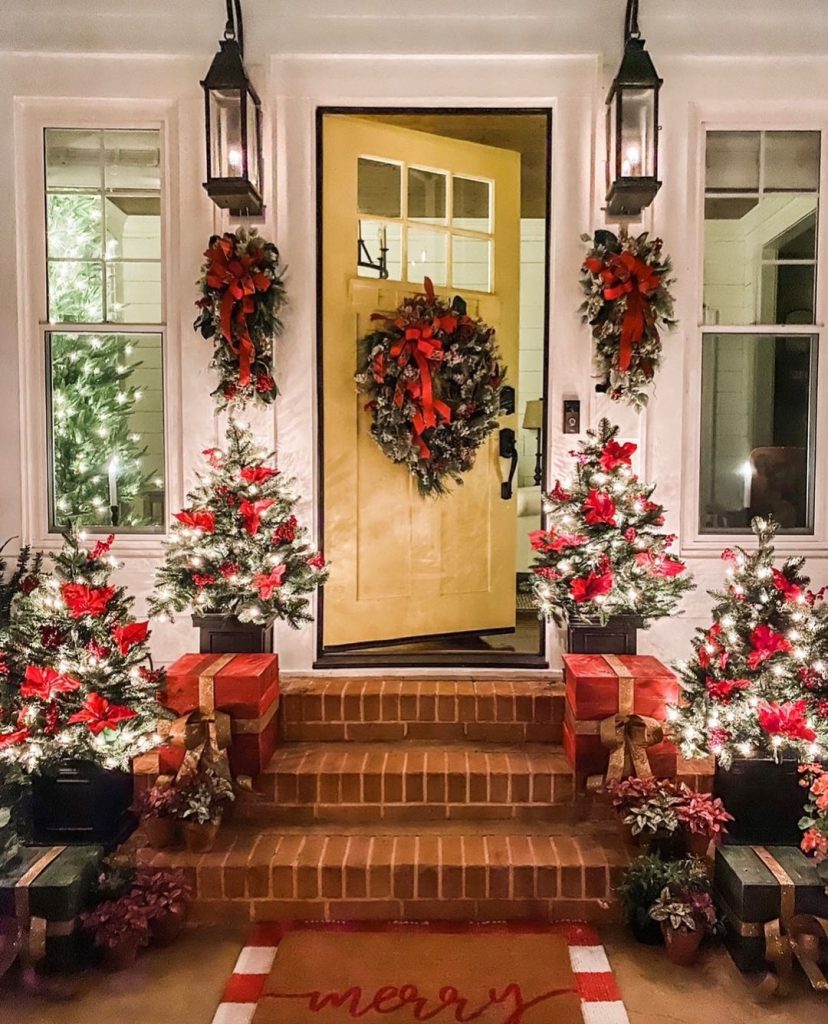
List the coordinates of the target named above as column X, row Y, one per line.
column 244, row 988
column 597, row 988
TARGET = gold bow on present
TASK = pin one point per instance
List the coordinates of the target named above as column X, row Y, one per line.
column 626, row 734
column 790, row 938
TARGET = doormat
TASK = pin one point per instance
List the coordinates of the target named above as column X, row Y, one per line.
column 406, row 973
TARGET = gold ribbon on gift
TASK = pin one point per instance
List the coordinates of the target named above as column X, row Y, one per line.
column 206, row 733
column 27, row 937
column 625, row 734
column 791, row 938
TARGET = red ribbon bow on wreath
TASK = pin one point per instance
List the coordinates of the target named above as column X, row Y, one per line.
column 625, row 274
column 238, row 278
column 420, row 344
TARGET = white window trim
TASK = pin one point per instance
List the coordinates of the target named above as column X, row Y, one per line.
column 31, row 117
column 696, row 544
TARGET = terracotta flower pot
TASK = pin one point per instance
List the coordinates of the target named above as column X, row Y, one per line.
column 200, row 838
column 166, row 928
column 696, row 845
column 682, row 946
column 123, row 954
column 160, row 832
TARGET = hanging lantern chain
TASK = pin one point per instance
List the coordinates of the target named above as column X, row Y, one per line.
column 234, row 28
column 631, row 29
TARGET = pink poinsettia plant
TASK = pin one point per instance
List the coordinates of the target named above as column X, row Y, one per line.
column 238, row 548
column 603, row 551
column 814, row 823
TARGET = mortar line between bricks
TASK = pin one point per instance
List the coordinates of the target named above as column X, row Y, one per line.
column 511, row 874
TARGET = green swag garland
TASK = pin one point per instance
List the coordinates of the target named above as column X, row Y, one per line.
column 625, row 280
column 434, row 380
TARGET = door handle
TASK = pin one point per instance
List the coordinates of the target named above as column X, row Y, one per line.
column 508, row 450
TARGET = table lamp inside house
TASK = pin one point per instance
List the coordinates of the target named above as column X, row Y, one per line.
column 533, row 420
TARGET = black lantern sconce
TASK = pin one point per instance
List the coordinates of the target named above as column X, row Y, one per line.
column 233, row 120
column 632, row 126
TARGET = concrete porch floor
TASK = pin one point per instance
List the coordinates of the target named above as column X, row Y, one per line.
column 184, row 984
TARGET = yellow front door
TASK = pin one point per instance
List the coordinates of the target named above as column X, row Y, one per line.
column 403, row 565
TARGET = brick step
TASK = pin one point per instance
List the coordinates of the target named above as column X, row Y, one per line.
column 480, row 872
column 335, row 708
column 372, row 782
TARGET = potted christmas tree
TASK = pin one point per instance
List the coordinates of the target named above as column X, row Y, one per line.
column 603, row 567
column 756, row 690
column 78, row 700
column 237, row 556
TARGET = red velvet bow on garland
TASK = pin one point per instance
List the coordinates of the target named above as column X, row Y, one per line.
column 624, row 274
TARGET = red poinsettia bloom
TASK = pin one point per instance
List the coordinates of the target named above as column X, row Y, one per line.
column 82, row 600
column 205, row 521
column 126, row 637
column 599, row 509
column 786, row 720
column 791, row 591
column 559, row 494
column 98, row 714
column 101, row 548
column 213, row 456
column 615, row 455
column 285, row 532
column 251, row 513
column 228, row 570
column 543, row 540
column 722, row 690
column 659, row 565
column 203, row 579
column 257, row 474
column 587, row 588
column 267, row 583
column 44, row 683
column 317, row 561
column 766, row 642
column 12, row 739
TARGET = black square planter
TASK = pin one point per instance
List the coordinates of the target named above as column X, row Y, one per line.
column 618, row 636
column 765, row 799
column 82, row 803
column 224, row 634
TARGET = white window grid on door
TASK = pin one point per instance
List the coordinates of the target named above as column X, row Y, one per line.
column 443, row 226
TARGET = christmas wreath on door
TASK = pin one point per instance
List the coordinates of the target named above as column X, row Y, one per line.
column 434, row 379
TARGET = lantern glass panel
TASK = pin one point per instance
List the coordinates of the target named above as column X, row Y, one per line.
column 252, row 143
column 226, row 156
column 637, row 117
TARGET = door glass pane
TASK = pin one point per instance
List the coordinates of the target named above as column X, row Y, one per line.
column 792, row 161
column 107, row 430
column 758, row 403
column 132, row 160
column 733, row 161
column 471, row 204
column 373, row 232
column 379, row 188
column 471, row 263
column 427, row 255
column 427, row 195
column 745, row 281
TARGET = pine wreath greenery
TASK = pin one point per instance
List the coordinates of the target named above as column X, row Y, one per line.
column 237, row 548
column 626, row 281
column 434, row 380
column 242, row 296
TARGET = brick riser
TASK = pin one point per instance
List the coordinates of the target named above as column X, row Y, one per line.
column 413, row 875
column 391, row 710
column 391, row 783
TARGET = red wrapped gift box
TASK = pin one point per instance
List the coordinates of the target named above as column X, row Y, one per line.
column 244, row 686
column 599, row 687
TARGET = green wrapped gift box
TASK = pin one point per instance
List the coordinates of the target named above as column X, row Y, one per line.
column 44, row 892
column 758, row 884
